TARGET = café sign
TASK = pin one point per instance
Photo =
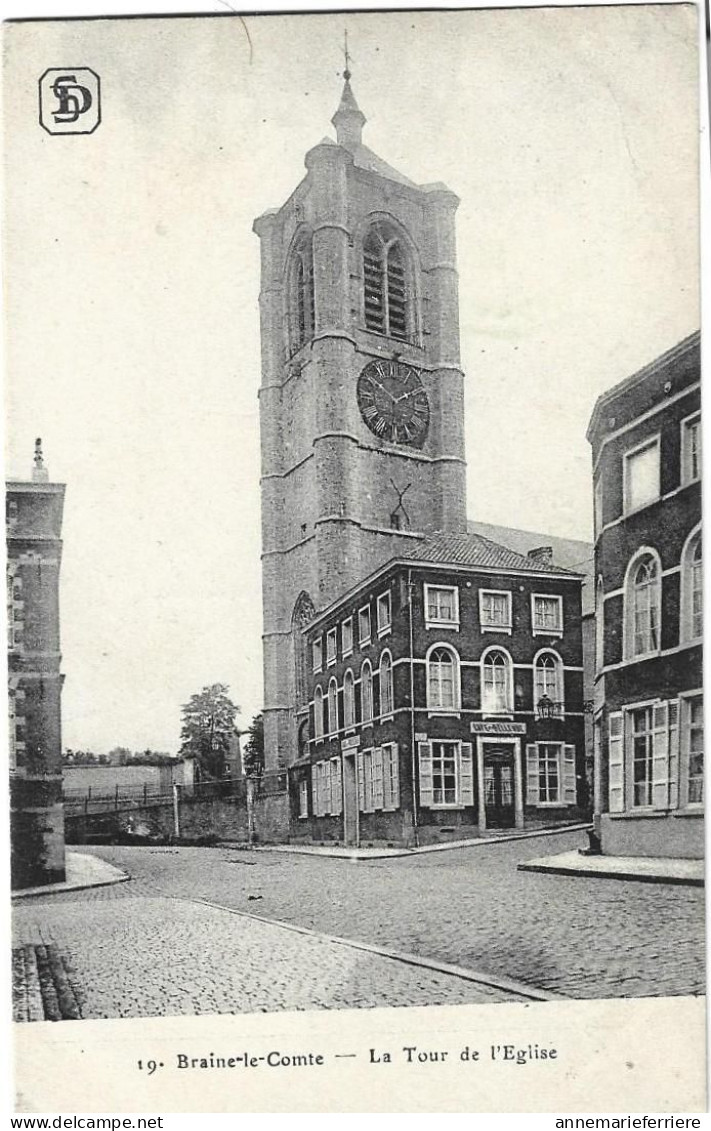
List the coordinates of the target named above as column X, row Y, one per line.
column 498, row 728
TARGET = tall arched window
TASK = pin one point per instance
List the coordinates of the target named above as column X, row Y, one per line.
column 643, row 605
column 349, row 714
column 443, row 692
column 496, row 682
column 386, row 684
column 318, row 713
column 333, row 707
column 692, row 593
column 366, row 693
column 301, row 294
column 548, row 683
column 388, row 295
column 599, row 626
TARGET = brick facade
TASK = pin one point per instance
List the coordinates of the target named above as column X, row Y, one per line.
column 493, row 748
column 648, row 689
column 34, row 550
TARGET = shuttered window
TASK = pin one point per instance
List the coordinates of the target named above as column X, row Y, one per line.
column 335, row 799
column 387, row 297
column 391, row 777
column 616, row 762
column 550, row 774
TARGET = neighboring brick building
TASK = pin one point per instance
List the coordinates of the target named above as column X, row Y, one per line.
column 34, row 550
column 646, row 444
column 445, row 696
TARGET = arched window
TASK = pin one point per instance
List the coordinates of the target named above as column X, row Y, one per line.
column 548, row 693
column 643, row 605
column 349, row 714
column 318, row 713
column 692, row 592
column 443, row 690
column 496, row 682
column 386, row 684
column 599, row 626
column 366, row 693
column 387, row 294
column 301, row 294
column 333, row 707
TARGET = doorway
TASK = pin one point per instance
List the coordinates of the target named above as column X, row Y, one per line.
column 350, row 800
column 499, row 794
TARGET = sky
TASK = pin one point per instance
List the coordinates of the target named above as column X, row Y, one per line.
column 132, row 282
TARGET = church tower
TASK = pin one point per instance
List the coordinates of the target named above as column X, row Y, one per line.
column 362, row 397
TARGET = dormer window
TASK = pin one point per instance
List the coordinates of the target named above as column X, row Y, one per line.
column 387, row 286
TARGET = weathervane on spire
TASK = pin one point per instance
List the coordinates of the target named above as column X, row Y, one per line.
column 346, row 56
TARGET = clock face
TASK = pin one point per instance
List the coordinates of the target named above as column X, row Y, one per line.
column 393, row 402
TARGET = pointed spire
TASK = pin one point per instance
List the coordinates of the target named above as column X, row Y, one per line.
column 348, row 119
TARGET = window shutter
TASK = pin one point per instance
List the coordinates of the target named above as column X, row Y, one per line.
column 616, row 759
column 570, row 789
column 361, row 783
column 315, row 800
column 425, row 761
column 466, row 775
column 673, row 753
column 378, row 777
column 395, row 775
column 660, row 756
column 339, row 789
column 532, row 784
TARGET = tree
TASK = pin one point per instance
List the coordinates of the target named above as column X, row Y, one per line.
column 208, row 728
column 253, row 756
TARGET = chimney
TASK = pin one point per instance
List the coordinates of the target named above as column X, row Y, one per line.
column 39, row 471
column 542, row 555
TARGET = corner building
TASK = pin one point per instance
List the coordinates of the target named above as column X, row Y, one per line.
column 648, row 723
column 361, row 400
column 33, row 519
column 446, row 698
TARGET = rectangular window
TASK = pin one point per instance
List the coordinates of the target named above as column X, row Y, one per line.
column 641, row 475
column 547, row 615
column 384, row 612
column 364, row 625
column 347, row 636
column 642, row 740
column 444, row 773
column 549, row 772
column 331, row 646
column 691, row 449
column 367, row 784
column 317, row 651
column 695, row 744
column 391, row 777
column 598, row 505
column 495, row 610
column 303, row 798
column 442, row 606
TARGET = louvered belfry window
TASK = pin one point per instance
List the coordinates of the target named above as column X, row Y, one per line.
column 386, row 287
column 302, row 296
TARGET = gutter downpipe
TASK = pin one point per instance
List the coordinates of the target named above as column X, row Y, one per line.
column 413, row 744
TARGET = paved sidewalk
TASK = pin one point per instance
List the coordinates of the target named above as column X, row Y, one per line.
column 643, row 869
column 82, row 871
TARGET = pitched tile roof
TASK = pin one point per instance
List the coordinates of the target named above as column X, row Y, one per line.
column 474, row 549
column 570, row 553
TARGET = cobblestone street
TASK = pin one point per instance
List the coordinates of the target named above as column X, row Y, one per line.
column 142, row 947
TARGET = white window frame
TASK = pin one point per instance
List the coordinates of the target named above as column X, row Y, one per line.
column 686, row 478
column 488, row 627
column 331, row 730
column 364, row 639
column 347, row 626
column 317, row 654
column 430, row 622
column 547, row 631
column 629, row 606
column 509, row 710
column 686, row 611
column 559, row 679
column 366, row 719
column 319, row 728
column 303, row 799
column 685, row 704
column 384, row 626
column 391, row 777
column 648, row 442
column 349, row 715
column 558, row 802
column 438, row 708
column 390, row 714
column 331, row 657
